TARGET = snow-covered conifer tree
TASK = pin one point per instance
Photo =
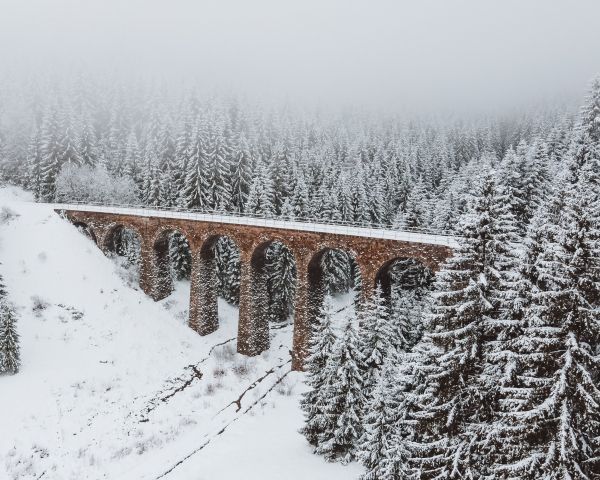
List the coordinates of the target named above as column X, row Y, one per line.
column 320, row 351
column 553, row 427
column 10, row 359
column 473, row 290
column 381, row 450
column 344, row 400
column 376, row 337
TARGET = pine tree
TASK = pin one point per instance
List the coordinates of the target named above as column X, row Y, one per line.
column 281, row 281
column 196, row 192
column 320, row 352
column 381, row 450
column 50, row 154
column 68, row 141
column 10, row 360
column 261, row 196
column 166, row 168
column 337, row 274
column 34, row 165
column 227, row 259
column 557, row 422
column 473, row 291
column 416, row 210
column 180, row 257
column 242, row 174
column 87, row 143
column 345, row 400
column 133, row 163
column 376, row 337
column 405, row 318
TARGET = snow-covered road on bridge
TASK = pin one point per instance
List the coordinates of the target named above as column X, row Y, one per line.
column 303, row 226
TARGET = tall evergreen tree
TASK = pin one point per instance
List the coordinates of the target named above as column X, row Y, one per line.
column 320, row 352
column 345, row 399
column 376, row 337
column 381, row 451
column 473, row 291
column 10, row 359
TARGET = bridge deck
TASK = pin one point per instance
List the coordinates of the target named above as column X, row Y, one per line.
column 303, row 226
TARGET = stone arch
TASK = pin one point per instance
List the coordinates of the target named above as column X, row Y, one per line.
column 161, row 260
column 204, row 310
column 253, row 330
column 86, row 229
column 412, row 273
column 316, row 271
column 316, row 283
column 112, row 236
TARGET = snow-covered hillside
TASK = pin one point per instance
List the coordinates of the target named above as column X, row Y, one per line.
column 114, row 385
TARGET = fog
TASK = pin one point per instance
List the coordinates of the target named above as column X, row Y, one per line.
column 398, row 54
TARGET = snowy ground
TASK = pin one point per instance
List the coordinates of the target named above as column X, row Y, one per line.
column 116, row 386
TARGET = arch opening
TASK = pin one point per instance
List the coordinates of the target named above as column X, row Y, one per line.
column 405, row 285
column 86, row 230
column 269, row 297
column 124, row 245
column 333, row 272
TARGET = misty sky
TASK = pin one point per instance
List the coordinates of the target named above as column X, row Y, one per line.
column 442, row 52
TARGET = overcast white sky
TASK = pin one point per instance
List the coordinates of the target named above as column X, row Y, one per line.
column 420, row 52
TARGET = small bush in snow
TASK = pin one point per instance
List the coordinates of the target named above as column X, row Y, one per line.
column 242, row 368
column 210, row 389
column 225, row 353
column 38, row 304
column 285, row 387
column 219, row 372
column 6, row 215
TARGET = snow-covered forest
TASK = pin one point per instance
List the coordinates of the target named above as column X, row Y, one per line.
column 503, row 383
column 469, row 120
column 489, row 370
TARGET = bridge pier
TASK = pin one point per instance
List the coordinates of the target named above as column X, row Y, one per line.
column 253, row 324
column 204, row 317
column 155, row 277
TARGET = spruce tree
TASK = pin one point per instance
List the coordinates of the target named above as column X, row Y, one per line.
column 557, row 422
column 10, row 359
column 180, row 257
column 320, row 352
column 376, row 337
column 473, row 290
column 381, row 450
column 344, row 400
column 281, row 281
column 50, row 154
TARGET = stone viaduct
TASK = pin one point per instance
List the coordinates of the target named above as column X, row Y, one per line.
column 374, row 251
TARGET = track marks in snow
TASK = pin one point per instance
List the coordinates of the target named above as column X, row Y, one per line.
column 179, row 384
column 235, row 419
column 253, row 385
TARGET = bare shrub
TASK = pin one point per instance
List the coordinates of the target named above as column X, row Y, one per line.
column 242, row 368
column 210, row 389
column 226, row 353
column 38, row 304
column 285, row 387
column 7, row 214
